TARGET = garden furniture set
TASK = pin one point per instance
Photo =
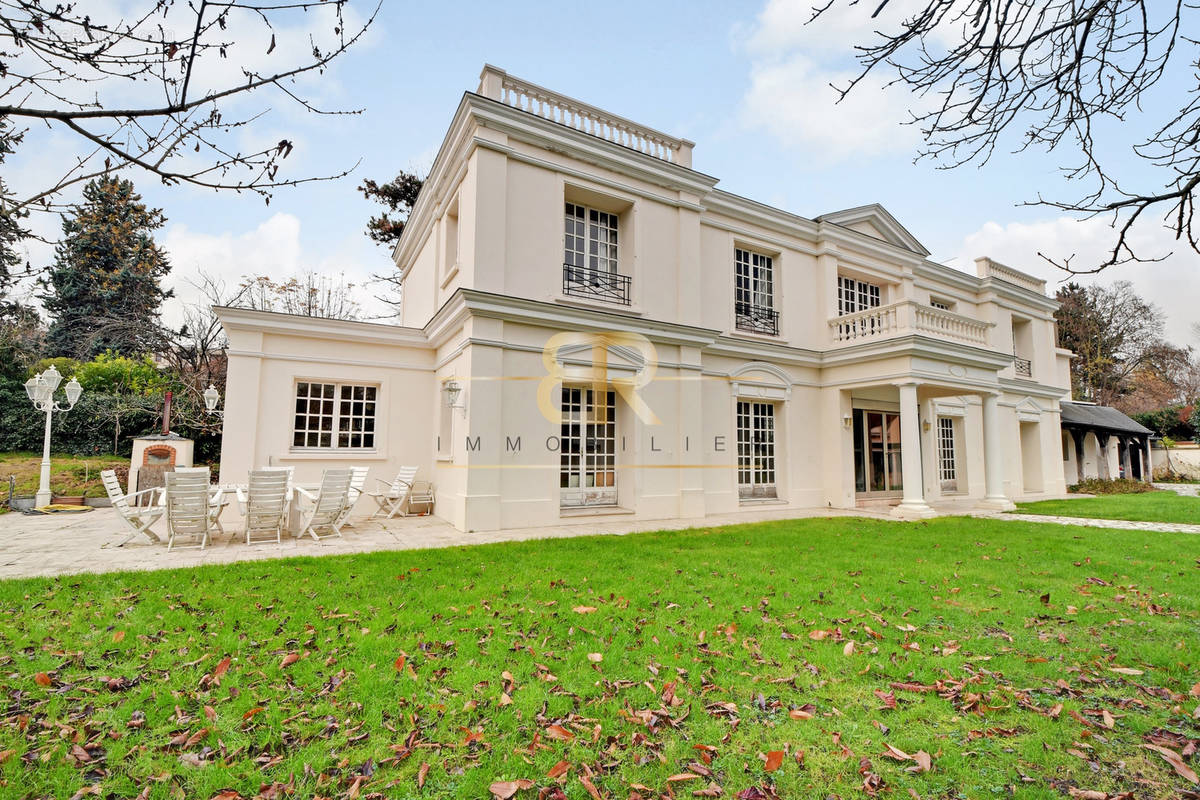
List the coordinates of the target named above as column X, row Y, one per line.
column 270, row 502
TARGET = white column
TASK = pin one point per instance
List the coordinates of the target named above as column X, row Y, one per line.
column 913, row 506
column 993, row 457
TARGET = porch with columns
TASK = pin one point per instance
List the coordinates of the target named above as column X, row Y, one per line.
column 914, row 503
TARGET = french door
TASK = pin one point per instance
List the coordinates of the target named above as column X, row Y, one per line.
column 587, row 458
column 756, row 449
column 877, row 452
column 947, row 462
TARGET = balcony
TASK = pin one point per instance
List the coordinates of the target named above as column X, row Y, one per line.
column 1022, row 367
column 756, row 319
column 904, row 318
column 596, row 284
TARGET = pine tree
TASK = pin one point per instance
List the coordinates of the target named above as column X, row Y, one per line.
column 20, row 328
column 11, row 232
column 103, row 291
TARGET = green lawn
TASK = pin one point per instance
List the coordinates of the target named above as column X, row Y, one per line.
column 1010, row 658
column 1147, row 507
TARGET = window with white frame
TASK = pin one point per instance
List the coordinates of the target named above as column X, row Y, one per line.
column 855, row 295
column 334, row 416
column 754, row 292
column 755, row 279
column 590, row 240
column 944, row 305
column 947, row 465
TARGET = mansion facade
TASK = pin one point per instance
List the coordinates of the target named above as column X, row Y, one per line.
column 591, row 327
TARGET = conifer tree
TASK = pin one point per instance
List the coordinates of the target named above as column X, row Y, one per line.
column 103, row 291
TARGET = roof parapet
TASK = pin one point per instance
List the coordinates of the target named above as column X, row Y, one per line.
column 987, row 268
column 496, row 84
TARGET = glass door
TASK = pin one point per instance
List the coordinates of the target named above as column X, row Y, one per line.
column 877, row 451
column 756, row 449
column 587, row 459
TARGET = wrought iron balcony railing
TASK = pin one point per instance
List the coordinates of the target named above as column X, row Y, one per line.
column 599, row 284
column 1023, row 367
column 757, row 319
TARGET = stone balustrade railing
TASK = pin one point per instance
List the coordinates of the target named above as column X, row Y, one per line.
column 498, row 85
column 987, row 268
column 908, row 316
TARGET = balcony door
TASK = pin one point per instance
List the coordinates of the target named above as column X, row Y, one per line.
column 877, row 452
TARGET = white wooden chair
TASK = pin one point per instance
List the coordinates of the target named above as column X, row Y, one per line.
column 328, row 505
column 393, row 497
column 264, row 503
column 358, row 481
column 189, row 511
column 139, row 518
column 216, row 495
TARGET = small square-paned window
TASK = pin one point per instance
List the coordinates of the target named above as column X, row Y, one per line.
column 944, row 305
column 855, row 295
column 334, row 416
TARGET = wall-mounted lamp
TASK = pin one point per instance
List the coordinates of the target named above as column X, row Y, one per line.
column 453, row 391
column 211, row 398
column 847, row 421
column 926, row 425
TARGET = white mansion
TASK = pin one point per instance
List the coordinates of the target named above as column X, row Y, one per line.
column 590, row 326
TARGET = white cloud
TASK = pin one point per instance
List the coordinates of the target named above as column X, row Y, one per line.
column 1171, row 284
column 794, row 66
column 274, row 248
column 794, row 101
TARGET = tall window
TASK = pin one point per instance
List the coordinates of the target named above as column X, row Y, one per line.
column 855, row 295
column 947, row 468
column 334, row 415
column 756, row 449
column 591, row 239
column 754, row 292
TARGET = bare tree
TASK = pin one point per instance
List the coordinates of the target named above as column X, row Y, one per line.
column 169, row 87
column 307, row 295
column 1052, row 74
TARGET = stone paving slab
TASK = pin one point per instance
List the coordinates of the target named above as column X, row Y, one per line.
column 1087, row 522
column 46, row 545
column 1185, row 489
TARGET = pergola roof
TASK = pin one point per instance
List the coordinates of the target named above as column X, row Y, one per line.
column 1104, row 418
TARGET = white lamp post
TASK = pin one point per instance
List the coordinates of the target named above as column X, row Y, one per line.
column 41, row 389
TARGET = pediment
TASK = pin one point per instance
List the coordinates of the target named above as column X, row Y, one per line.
column 1028, row 411
column 875, row 221
column 616, row 357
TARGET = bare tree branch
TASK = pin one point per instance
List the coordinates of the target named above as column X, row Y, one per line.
column 1051, row 74
column 128, row 87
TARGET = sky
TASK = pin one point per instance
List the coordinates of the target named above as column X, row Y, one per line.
column 748, row 82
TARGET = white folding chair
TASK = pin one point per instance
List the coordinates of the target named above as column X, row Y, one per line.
column 328, row 505
column 216, row 495
column 138, row 518
column 393, row 498
column 188, row 508
column 358, row 480
column 264, row 503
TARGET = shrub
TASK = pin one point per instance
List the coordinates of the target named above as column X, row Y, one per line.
column 1117, row 486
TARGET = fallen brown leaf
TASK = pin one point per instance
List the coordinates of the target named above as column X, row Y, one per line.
column 289, row 659
column 774, row 760
column 506, row 789
column 1176, row 762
